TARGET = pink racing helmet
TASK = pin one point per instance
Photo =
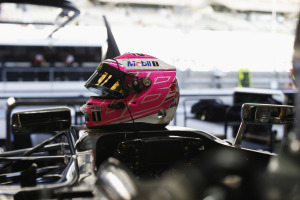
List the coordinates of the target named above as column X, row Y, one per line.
column 132, row 88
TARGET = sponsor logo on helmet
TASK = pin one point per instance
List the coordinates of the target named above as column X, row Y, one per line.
column 142, row 63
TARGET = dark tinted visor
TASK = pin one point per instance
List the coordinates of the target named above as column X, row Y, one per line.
column 109, row 82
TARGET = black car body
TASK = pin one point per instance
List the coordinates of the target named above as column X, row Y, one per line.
column 91, row 163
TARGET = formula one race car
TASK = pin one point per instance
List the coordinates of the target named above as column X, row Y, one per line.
column 162, row 163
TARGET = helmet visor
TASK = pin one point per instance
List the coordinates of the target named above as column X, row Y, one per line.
column 107, row 81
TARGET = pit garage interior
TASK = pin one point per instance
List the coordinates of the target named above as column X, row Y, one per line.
column 226, row 53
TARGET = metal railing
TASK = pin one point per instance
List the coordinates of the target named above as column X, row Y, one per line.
column 188, row 79
column 45, row 74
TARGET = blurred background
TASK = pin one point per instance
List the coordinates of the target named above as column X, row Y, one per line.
column 216, row 46
column 218, row 36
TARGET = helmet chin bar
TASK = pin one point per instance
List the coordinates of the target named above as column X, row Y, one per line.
column 120, row 105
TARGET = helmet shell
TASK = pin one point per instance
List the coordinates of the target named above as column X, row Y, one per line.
column 154, row 101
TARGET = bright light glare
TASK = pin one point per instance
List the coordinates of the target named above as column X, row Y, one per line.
column 210, row 50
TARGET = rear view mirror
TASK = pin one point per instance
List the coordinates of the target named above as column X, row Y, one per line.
column 268, row 114
column 264, row 114
column 41, row 120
